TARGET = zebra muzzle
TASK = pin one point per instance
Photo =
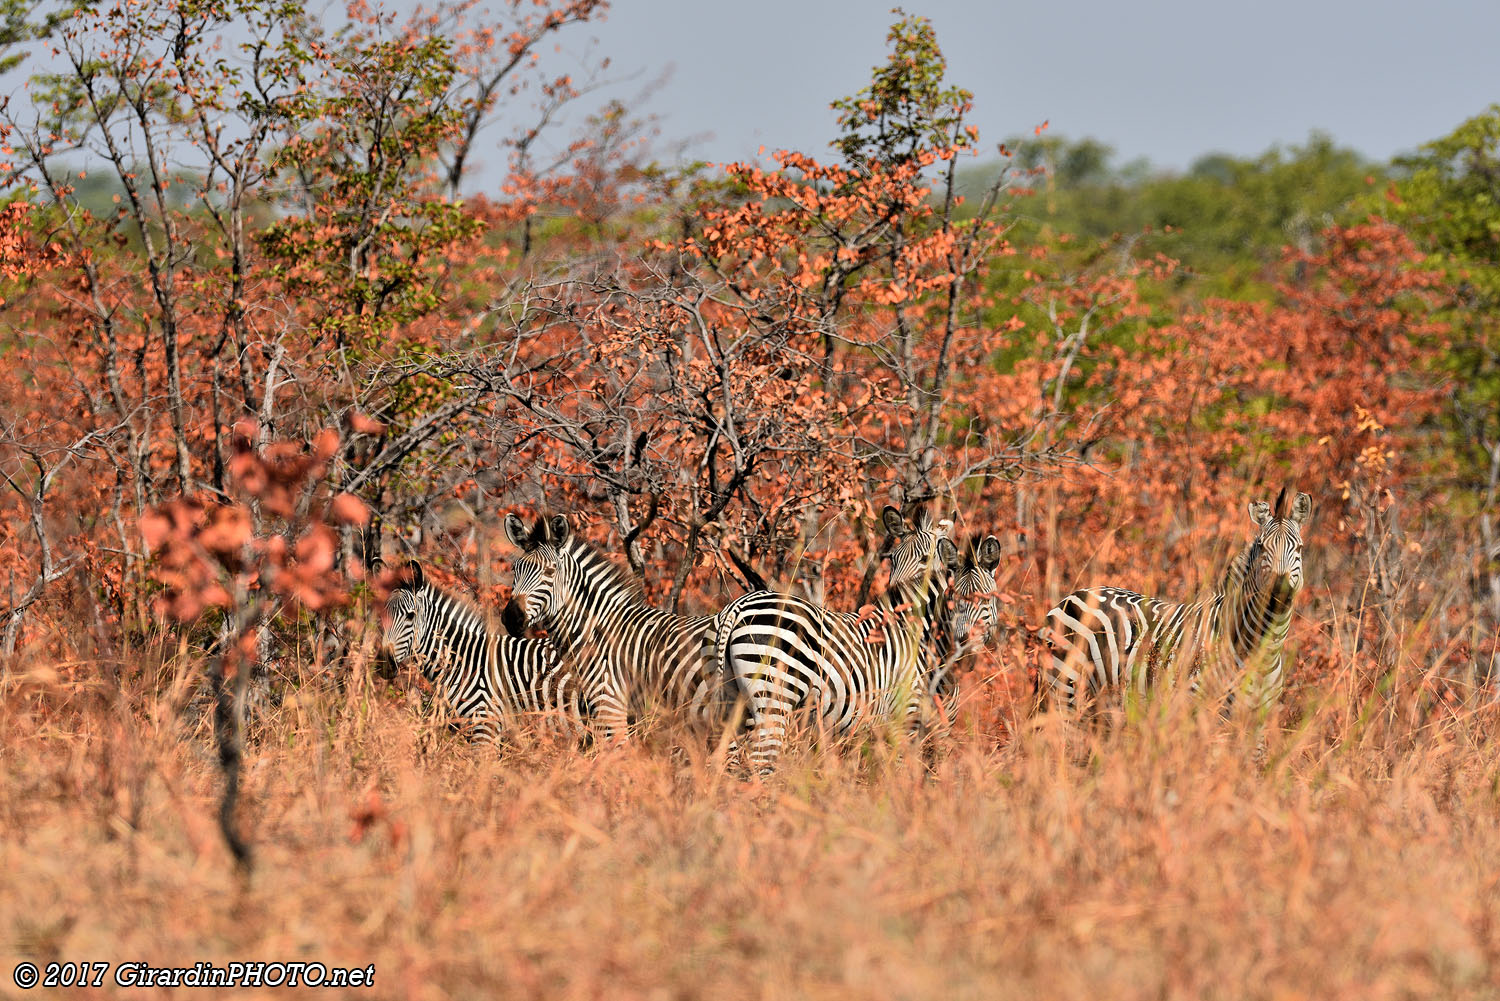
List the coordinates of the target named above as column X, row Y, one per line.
column 513, row 617
column 385, row 663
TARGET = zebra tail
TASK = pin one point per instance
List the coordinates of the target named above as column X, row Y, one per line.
column 726, row 622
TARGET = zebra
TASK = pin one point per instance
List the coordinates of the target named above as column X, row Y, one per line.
column 786, row 653
column 483, row 676
column 1103, row 637
column 971, row 615
column 595, row 612
column 968, row 619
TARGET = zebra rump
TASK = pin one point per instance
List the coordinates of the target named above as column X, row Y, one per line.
column 789, row 656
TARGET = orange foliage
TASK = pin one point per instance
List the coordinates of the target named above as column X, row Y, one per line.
column 707, row 370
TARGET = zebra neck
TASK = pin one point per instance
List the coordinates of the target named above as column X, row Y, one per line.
column 923, row 599
column 1254, row 617
column 937, row 627
column 588, row 624
column 447, row 648
column 601, row 596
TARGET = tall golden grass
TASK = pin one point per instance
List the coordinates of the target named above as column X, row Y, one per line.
column 1349, row 849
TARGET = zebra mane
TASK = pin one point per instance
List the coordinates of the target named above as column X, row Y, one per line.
column 458, row 599
column 615, row 575
column 409, row 578
column 545, row 532
column 1278, row 511
column 1238, row 566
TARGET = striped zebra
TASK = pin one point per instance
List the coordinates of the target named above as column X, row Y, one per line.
column 968, row 619
column 788, row 655
column 486, row 677
column 595, row 612
column 1105, row 637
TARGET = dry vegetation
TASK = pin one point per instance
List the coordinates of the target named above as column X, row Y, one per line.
column 227, row 391
column 1351, row 852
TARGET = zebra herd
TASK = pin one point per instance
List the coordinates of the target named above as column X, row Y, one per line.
column 769, row 661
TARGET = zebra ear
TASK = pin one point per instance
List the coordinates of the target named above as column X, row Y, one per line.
column 515, row 531
column 989, row 552
column 892, row 520
column 1259, row 512
column 948, row 553
column 414, row 575
column 557, row 527
column 1301, row 508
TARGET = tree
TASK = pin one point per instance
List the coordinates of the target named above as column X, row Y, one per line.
column 264, row 225
column 1224, row 220
column 810, row 337
column 1450, row 201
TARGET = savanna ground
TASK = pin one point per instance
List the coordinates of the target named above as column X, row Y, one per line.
column 1355, row 855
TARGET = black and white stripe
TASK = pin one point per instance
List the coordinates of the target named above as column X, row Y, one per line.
column 596, row 613
column 967, row 620
column 1107, row 638
column 790, row 656
column 486, row 678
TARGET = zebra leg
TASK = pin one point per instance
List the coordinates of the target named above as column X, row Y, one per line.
column 486, row 729
column 769, row 719
column 770, row 697
column 926, row 715
column 737, row 715
column 926, row 724
column 610, row 717
column 1060, row 687
column 942, row 703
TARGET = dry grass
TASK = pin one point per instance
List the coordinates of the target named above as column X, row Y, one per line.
column 1354, row 855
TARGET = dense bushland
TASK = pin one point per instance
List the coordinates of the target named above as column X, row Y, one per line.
column 258, row 334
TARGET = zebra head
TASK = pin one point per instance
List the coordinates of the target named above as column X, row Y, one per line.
column 403, row 610
column 1273, row 562
column 534, row 597
column 975, row 605
column 918, row 550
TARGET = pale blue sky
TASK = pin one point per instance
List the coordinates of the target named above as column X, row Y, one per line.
column 1168, row 80
column 1164, row 79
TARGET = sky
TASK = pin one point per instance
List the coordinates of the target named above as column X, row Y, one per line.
column 1168, row 80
